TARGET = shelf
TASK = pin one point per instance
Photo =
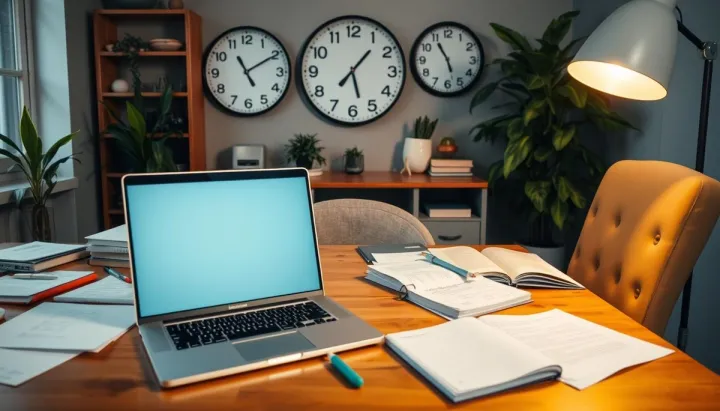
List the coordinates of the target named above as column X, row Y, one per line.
column 389, row 179
column 179, row 53
column 149, row 94
column 424, row 217
column 141, row 12
column 184, row 135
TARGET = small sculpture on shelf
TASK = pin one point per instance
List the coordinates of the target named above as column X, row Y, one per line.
column 447, row 148
column 354, row 161
column 303, row 149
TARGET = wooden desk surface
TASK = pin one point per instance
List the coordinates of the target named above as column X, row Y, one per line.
column 119, row 378
column 389, row 179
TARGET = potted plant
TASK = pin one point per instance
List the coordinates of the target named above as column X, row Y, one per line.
column 132, row 46
column 39, row 168
column 354, row 161
column 144, row 147
column 417, row 150
column 546, row 173
column 304, row 151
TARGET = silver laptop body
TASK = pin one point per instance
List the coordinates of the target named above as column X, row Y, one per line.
column 226, row 274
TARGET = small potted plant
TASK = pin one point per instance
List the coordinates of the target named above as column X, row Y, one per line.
column 417, row 150
column 304, row 151
column 354, row 161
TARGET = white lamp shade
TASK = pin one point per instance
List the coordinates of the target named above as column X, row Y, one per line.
column 631, row 54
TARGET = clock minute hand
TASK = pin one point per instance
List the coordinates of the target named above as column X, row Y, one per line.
column 353, row 68
column 357, row 91
column 273, row 57
column 245, row 71
column 447, row 59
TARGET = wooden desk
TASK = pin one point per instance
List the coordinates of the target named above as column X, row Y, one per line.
column 119, row 378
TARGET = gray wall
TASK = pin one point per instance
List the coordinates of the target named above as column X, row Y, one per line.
column 670, row 133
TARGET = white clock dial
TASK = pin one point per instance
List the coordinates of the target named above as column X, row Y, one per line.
column 246, row 71
column 447, row 59
column 352, row 70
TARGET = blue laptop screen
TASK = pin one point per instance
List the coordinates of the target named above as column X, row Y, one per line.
column 203, row 244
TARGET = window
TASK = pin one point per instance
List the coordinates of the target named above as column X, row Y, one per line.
column 14, row 69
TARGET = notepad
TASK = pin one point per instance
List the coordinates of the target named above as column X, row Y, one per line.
column 19, row 366
column 109, row 290
column 444, row 292
column 13, row 290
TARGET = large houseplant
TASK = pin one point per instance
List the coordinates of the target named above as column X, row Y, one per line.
column 40, row 169
column 303, row 149
column 546, row 172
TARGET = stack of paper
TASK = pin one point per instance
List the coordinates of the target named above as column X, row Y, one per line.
column 52, row 333
column 109, row 290
column 109, row 248
column 39, row 256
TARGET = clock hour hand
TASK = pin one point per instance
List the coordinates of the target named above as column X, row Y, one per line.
column 245, row 71
column 447, row 59
column 353, row 68
column 273, row 57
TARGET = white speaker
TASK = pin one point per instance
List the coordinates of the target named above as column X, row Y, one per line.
column 248, row 156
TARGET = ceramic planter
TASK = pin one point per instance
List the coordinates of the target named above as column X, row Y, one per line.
column 417, row 153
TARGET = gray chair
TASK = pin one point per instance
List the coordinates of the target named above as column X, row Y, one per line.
column 353, row 221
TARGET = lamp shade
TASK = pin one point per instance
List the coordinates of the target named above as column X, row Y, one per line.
column 631, row 53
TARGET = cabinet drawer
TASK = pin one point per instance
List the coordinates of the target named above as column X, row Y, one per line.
column 454, row 232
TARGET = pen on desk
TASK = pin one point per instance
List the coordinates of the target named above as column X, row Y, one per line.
column 35, row 277
column 444, row 264
column 353, row 378
column 117, row 275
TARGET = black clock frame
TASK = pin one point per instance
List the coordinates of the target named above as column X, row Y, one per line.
column 418, row 78
column 301, row 84
column 206, row 89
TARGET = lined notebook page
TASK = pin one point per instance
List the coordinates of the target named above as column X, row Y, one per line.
column 473, row 295
column 421, row 274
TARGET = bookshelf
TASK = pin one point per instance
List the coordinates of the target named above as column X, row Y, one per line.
column 189, row 148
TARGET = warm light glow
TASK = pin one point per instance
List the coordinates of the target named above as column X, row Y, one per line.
column 616, row 80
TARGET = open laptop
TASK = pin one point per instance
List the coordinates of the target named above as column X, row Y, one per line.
column 226, row 274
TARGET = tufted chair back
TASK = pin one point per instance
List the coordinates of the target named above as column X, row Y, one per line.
column 644, row 232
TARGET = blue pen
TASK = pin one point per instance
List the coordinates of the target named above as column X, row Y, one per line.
column 444, row 264
column 348, row 373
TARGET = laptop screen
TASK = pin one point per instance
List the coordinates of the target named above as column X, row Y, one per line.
column 211, row 243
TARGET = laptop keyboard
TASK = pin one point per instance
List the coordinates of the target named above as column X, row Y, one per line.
column 247, row 324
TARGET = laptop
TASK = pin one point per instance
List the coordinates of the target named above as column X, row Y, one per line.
column 226, row 274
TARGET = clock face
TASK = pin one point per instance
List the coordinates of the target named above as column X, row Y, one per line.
column 447, row 59
column 246, row 71
column 352, row 70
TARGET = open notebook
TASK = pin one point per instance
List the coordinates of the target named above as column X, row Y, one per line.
column 444, row 292
column 507, row 266
column 471, row 358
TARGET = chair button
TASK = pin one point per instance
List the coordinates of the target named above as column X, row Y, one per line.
column 618, row 274
column 656, row 240
column 637, row 292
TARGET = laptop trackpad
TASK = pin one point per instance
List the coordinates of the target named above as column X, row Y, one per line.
column 271, row 347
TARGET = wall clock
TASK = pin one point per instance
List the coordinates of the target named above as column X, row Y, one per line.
column 246, row 71
column 447, row 59
column 352, row 70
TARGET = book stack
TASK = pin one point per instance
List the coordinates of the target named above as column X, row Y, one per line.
column 450, row 167
column 448, row 211
column 109, row 248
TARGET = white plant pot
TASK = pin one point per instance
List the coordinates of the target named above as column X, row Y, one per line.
column 120, row 86
column 553, row 255
column 417, row 152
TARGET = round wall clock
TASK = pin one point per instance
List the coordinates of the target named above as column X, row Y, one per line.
column 246, row 71
column 352, row 70
column 447, row 59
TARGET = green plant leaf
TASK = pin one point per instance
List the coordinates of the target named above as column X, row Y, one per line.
column 541, row 154
column 19, row 196
column 55, row 147
column 166, row 101
column 515, row 153
column 482, row 95
column 5, row 139
column 559, row 212
column 577, row 198
column 515, row 129
column 503, row 105
column 567, row 52
column 494, row 171
column 597, row 104
column 516, row 87
column 516, row 40
column 535, row 82
column 563, row 188
column 533, row 111
column 136, row 121
column 540, row 63
column 537, row 192
column 559, row 27
column 17, row 161
column 563, row 136
column 612, row 122
column 31, row 142
column 576, row 95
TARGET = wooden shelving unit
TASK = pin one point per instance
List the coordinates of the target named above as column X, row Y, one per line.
column 107, row 29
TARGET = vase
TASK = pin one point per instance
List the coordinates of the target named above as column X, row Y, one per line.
column 417, row 153
column 355, row 164
column 304, row 162
column 120, row 86
column 40, row 223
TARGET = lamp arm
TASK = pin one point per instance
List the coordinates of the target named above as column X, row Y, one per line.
column 708, row 48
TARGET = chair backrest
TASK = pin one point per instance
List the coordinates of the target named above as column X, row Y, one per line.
column 354, row 221
column 644, row 232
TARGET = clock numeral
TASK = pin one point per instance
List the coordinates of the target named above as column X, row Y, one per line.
column 334, row 37
column 422, row 60
column 353, row 31
column 372, row 36
column 460, row 35
column 426, row 47
column 246, row 39
column 392, row 71
column 387, row 52
column 319, row 52
column 263, row 99
column 319, row 91
column 469, row 47
column 232, row 43
column 275, row 54
column 426, row 72
column 234, row 98
column 280, row 71
column 262, row 43
column 448, row 84
column 313, row 71
column 469, row 72
column 372, row 106
column 435, row 80
column 447, row 33
column 335, row 103
column 435, row 37
column 473, row 60
column 215, row 73
column 221, row 88
column 221, row 56
column 352, row 111
column 386, row 91
column 275, row 87
column 248, row 103
column 460, row 82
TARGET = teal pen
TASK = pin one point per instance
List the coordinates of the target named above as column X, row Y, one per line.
column 444, row 264
column 348, row 373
